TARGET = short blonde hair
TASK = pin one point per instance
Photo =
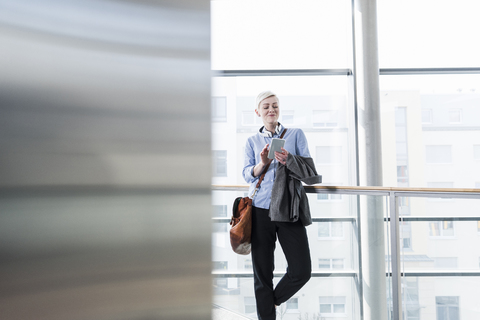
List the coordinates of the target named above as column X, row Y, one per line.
column 264, row 95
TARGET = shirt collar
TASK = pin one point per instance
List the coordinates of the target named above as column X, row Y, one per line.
column 265, row 133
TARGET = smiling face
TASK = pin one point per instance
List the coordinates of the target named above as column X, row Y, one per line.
column 269, row 111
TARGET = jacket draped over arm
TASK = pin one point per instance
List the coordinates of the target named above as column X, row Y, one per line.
column 289, row 200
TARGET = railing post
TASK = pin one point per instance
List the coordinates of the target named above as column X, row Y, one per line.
column 395, row 257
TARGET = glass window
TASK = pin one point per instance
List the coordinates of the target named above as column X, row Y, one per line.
column 427, row 116
column 292, row 304
column 220, row 265
column 248, row 264
column 337, row 263
column 300, row 94
column 441, row 143
column 330, row 229
column 220, row 283
column 258, row 35
column 329, row 155
column 219, row 109
column 220, row 211
column 455, row 116
column 219, row 227
column 324, row 263
column 332, row 306
column 442, row 229
column 447, row 308
column 331, row 264
column 250, row 305
column 427, row 41
column 322, row 196
column 438, row 154
column 220, row 163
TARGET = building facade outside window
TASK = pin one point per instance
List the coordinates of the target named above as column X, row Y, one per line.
column 448, row 308
column 219, row 109
column 332, row 306
column 442, row 229
column 330, row 230
column 292, row 305
column 331, row 264
column 220, row 163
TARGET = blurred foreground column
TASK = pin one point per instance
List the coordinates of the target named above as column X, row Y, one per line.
column 104, row 160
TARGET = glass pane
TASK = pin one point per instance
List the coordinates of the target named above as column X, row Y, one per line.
column 325, row 308
column 255, row 34
column 340, row 294
column 338, row 308
column 324, row 263
column 337, row 229
column 414, row 34
column 441, row 129
column 299, row 96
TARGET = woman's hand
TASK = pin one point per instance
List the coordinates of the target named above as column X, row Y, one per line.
column 258, row 169
column 282, row 156
column 264, row 155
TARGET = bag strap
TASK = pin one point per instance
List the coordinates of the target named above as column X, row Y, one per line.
column 266, row 168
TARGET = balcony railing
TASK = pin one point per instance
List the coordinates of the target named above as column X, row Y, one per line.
column 395, row 255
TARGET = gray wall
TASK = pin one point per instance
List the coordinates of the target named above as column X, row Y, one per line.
column 105, row 159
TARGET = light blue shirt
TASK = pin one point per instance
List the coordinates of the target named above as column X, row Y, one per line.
column 295, row 143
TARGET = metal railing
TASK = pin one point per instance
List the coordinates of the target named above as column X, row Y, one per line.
column 392, row 195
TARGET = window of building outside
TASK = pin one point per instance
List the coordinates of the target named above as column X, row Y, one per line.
column 219, row 227
column 442, row 229
column 220, row 163
column 331, row 264
column 292, row 305
column 427, row 116
column 248, row 264
column 219, row 211
column 219, row 109
column 330, row 230
column 410, row 294
column 455, row 116
column 220, row 265
column 448, row 308
column 250, row 305
column 332, row 306
column 406, row 234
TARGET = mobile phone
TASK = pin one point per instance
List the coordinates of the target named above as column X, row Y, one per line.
column 276, row 145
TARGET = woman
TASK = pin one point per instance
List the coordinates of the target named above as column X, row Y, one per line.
column 276, row 211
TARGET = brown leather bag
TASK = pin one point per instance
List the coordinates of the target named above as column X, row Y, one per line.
column 241, row 222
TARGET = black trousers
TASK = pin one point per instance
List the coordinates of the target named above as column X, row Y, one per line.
column 294, row 242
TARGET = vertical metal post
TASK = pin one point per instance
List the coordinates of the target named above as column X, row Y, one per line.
column 367, row 95
column 395, row 252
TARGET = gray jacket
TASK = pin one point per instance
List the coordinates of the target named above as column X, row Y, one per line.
column 289, row 200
